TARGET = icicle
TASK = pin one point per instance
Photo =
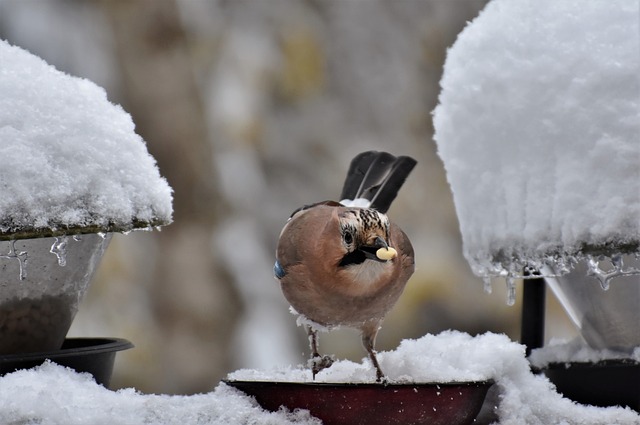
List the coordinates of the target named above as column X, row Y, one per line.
column 563, row 265
column 488, row 289
column 22, row 258
column 59, row 248
column 605, row 277
column 511, row 290
column 617, row 263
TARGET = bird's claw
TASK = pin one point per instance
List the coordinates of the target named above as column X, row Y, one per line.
column 382, row 379
column 318, row 363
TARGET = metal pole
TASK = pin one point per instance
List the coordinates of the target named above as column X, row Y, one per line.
column 533, row 311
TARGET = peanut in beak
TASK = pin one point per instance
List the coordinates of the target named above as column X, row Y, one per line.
column 387, row 253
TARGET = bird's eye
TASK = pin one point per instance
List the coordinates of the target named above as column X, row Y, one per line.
column 348, row 238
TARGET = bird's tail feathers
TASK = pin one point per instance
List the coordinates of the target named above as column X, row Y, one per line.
column 374, row 179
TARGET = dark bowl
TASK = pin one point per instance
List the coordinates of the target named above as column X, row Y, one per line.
column 371, row 404
column 604, row 383
column 92, row 355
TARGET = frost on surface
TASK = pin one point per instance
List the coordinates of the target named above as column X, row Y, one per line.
column 538, row 126
column 68, row 157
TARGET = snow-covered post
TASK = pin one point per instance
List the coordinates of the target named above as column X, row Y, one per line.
column 539, row 131
column 72, row 171
column 538, row 126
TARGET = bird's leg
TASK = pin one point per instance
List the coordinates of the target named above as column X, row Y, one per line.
column 313, row 341
column 369, row 333
column 316, row 362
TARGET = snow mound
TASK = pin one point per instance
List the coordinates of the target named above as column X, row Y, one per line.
column 51, row 394
column 454, row 356
column 69, row 158
column 54, row 395
column 538, row 127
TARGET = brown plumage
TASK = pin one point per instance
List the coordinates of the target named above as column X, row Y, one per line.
column 332, row 260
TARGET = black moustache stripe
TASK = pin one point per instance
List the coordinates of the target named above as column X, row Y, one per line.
column 355, row 257
column 358, row 256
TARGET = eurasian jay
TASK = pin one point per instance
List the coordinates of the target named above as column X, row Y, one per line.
column 344, row 263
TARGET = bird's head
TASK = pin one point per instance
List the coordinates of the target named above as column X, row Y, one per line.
column 364, row 235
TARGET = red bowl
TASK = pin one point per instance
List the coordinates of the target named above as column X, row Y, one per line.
column 434, row 404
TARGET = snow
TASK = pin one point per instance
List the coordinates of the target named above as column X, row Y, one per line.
column 69, row 157
column 576, row 350
column 54, row 395
column 356, row 203
column 458, row 357
column 538, row 127
column 51, row 394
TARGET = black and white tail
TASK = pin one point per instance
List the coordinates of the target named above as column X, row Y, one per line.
column 374, row 179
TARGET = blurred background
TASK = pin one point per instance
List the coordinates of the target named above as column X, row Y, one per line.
column 252, row 109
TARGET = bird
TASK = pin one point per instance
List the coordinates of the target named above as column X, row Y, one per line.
column 343, row 263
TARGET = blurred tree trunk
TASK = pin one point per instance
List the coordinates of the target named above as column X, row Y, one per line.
column 192, row 296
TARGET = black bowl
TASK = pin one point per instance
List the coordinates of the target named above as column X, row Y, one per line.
column 372, row 404
column 92, row 355
column 605, row 383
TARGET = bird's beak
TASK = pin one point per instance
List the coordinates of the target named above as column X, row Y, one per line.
column 379, row 251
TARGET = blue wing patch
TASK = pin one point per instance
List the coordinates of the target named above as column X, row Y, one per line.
column 278, row 270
